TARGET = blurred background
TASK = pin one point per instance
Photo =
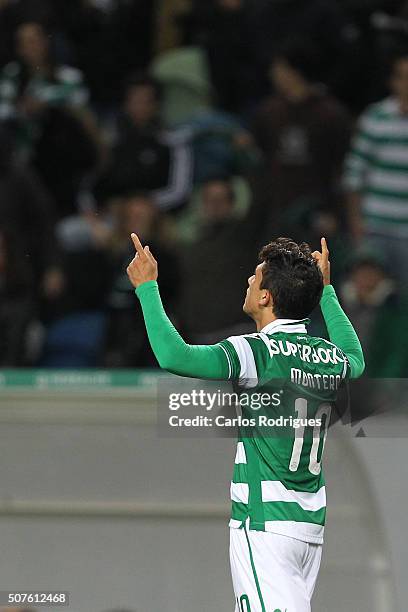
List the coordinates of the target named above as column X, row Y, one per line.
column 209, row 127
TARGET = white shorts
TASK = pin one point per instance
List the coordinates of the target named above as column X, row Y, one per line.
column 272, row 572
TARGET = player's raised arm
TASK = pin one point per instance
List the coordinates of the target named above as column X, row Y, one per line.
column 341, row 331
column 172, row 353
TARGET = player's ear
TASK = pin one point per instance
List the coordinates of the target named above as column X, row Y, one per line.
column 265, row 299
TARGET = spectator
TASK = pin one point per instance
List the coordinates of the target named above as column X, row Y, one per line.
column 83, row 30
column 16, row 299
column 75, row 325
column 188, row 226
column 389, row 32
column 107, row 40
column 223, row 28
column 48, row 103
column 378, row 309
column 220, row 254
column 85, row 267
column 27, row 209
column 15, row 12
column 144, row 155
column 376, row 174
column 33, row 81
column 354, row 78
column 220, row 146
column 127, row 344
column 303, row 133
column 75, row 322
column 316, row 20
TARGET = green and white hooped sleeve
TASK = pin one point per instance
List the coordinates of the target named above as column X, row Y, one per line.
column 241, row 360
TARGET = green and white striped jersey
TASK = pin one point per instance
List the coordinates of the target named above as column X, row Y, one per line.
column 278, row 482
column 377, row 168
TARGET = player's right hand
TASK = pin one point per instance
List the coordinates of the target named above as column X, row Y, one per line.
column 143, row 266
column 322, row 259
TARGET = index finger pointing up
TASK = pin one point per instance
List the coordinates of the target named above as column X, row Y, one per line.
column 325, row 250
column 138, row 246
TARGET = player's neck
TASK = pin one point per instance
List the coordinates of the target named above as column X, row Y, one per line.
column 264, row 320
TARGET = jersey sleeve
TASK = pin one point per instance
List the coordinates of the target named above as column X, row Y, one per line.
column 242, row 361
column 341, row 332
column 249, row 356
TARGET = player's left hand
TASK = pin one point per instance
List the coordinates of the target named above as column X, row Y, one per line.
column 143, row 266
column 322, row 260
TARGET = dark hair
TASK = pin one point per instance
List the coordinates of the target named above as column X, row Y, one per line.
column 143, row 80
column 399, row 52
column 292, row 276
column 301, row 55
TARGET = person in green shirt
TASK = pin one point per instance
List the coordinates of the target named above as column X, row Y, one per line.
column 278, row 491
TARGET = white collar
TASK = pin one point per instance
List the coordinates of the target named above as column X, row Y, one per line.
column 288, row 326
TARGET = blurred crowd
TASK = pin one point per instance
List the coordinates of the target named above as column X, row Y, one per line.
column 209, row 128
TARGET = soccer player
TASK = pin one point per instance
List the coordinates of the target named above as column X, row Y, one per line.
column 278, row 490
